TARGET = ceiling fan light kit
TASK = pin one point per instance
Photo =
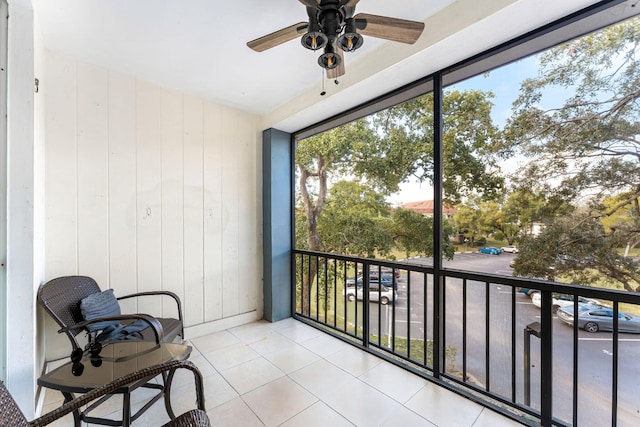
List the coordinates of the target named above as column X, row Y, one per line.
column 329, row 59
column 314, row 39
column 333, row 26
column 350, row 40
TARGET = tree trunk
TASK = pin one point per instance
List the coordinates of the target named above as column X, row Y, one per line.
column 312, row 213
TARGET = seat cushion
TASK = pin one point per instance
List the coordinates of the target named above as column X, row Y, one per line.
column 170, row 327
column 100, row 304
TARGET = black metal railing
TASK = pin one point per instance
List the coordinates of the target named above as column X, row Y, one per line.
column 482, row 338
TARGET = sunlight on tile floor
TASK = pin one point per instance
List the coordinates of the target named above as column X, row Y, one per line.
column 290, row 374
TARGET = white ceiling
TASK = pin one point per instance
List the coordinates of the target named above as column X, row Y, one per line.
column 199, row 47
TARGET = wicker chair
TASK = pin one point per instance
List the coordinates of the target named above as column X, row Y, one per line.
column 61, row 299
column 10, row 414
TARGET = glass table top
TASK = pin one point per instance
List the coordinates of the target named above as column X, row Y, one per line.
column 113, row 361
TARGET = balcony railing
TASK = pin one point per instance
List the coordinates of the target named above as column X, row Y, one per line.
column 481, row 336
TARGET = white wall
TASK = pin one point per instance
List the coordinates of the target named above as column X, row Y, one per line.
column 21, row 277
column 148, row 189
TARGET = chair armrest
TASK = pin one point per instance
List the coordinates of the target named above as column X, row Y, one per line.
column 152, row 321
column 175, row 297
column 149, row 372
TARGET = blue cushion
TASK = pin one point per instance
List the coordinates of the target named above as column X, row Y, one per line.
column 100, row 304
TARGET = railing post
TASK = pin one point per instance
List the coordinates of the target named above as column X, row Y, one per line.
column 365, row 304
column 546, row 360
column 438, row 280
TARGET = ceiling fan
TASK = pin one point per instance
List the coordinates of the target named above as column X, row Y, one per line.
column 334, row 27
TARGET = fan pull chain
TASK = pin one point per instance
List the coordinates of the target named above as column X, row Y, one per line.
column 323, row 93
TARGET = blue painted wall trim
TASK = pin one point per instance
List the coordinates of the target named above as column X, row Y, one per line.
column 276, row 218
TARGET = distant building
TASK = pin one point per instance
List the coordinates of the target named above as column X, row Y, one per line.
column 425, row 207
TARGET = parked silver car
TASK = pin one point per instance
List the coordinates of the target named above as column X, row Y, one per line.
column 594, row 318
column 562, row 300
column 386, row 279
column 384, row 294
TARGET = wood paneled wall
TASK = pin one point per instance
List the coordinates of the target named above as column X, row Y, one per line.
column 147, row 188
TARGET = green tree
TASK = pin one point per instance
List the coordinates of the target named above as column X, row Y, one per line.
column 412, row 232
column 478, row 218
column 623, row 217
column 470, row 146
column 468, row 220
column 355, row 221
column 585, row 145
column 577, row 246
column 321, row 157
column 383, row 151
column 522, row 209
column 590, row 141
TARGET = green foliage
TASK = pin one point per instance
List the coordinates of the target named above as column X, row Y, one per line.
column 413, row 233
column 577, row 246
column 589, row 141
column 377, row 154
column 585, row 145
column 468, row 220
column 355, row 221
column 470, row 142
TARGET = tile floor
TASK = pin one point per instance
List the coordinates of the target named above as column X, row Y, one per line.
column 290, row 374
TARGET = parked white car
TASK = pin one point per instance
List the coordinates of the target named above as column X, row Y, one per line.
column 511, row 249
column 562, row 300
column 384, row 294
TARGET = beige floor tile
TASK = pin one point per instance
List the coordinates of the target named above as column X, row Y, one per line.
column 251, row 375
column 288, row 374
column 155, row 416
column 325, row 345
column 361, row 404
column 66, row 421
column 272, row 343
column 393, row 381
column 407, row 418
column 278, row 401
column 443, row 407
column 203, row 365
column 318, row 415
column 229, row 357
column 217, row 391
column 301, row 332
column 354, row 360
column 320, row 378
column 209, row 343
column 185, row 377
column 283, row 324
column 52, row 396
column 234, row 413
column 252, row 332
column 489, row 418
column 292, row 359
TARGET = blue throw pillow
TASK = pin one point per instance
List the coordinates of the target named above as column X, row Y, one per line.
column 100, row 304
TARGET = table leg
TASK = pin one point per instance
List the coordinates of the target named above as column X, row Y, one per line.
column 126, row 409
column 77, row 416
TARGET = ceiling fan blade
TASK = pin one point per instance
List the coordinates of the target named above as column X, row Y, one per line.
column 384, row 27
column 278, row 37
column 334, row 73
column 351, row 3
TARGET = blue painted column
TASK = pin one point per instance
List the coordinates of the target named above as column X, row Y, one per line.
column 276, row 223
